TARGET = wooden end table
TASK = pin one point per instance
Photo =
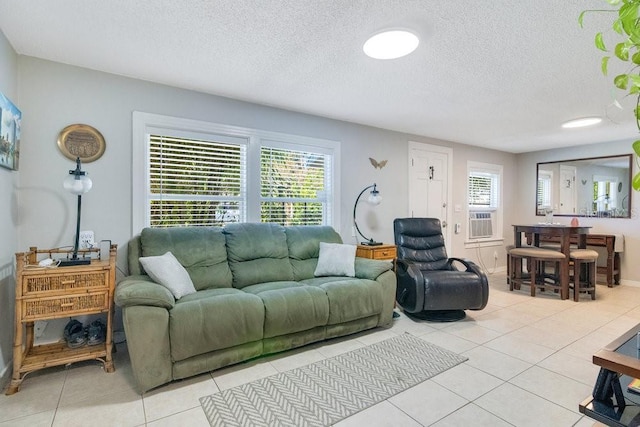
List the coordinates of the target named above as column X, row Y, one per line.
column 611, row 403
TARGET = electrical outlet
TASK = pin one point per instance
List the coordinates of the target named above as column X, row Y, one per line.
column 353, row 231
column 39, row 327
column 86, row 240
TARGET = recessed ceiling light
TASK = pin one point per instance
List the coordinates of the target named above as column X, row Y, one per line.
column 391, row 44
column 582, row 122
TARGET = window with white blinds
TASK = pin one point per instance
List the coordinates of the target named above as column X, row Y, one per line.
column 483, row 189
column 484, row 182
column 195, row 182
column 544, row 194
column 293, row 186
column 194, row 173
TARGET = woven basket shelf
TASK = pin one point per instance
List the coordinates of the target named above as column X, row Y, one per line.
column 44, row 293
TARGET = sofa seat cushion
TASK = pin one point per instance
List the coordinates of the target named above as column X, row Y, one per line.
column 349, row 299
column 291, row 307
column 214, row 319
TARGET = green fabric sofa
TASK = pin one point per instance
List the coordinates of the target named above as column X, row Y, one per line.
column 256, row 294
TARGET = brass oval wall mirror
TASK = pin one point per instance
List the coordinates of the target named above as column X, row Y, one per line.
column 82, row 141
column 592, row 187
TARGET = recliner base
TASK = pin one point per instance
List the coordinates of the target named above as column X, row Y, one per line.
column 439, row 315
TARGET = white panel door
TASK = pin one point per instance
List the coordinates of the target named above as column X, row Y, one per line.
column 567, row 195
column 429, row 169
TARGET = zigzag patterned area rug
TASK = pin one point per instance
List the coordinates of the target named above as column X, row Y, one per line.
column 328, row 391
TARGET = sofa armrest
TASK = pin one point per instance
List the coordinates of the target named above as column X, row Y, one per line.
column 141, row 290
column 371, row 268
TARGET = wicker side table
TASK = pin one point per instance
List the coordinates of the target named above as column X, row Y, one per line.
column 53, row 293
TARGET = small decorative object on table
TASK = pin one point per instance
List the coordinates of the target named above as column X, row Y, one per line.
column 634, row 385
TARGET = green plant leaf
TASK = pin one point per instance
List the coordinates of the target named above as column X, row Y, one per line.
column 581, row 18
column 636, row 182
column 600, row 42
column 621, row 81
column 635, row 58
column 628, row 14
column 614, row 2
column 622, row 51
column 605, row 62
column 636, row 147
column 617, row 26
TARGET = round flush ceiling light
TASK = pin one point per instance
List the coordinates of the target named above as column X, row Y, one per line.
column 582, row 122
column 391, row 44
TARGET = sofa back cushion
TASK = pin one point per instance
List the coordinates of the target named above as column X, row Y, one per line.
column 200, row 250
column 304, row 247
column 257, row 253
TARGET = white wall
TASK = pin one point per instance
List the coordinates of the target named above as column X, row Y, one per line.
column 56, row 95
column 629, row 227
column 8, row 220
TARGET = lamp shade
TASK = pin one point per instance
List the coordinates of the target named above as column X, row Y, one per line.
column 374, row 197
column 77, row 184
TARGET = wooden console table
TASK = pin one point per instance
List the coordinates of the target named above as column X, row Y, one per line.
column 612, row 269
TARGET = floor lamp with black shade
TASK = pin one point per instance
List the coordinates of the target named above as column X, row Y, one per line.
column 374, row 198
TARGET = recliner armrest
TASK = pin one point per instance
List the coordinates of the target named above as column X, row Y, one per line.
column 141, row 290
column 468, row 264
column 410, row 286
column 472, row 267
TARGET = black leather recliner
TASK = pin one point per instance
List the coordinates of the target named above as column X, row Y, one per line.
column 430, row 286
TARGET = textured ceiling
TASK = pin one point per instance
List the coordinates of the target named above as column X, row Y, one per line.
column 500, row 74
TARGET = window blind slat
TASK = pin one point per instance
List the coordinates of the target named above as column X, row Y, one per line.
column 195, row 182
column 293, row 186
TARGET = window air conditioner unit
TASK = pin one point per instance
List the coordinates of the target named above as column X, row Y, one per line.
column 480, row 225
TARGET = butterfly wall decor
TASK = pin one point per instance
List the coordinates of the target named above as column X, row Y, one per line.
column 378, row 164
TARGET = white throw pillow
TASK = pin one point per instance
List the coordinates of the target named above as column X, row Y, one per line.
column 336, row 259
column 167, row 271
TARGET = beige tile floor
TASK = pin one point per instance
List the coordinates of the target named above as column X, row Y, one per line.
column 529, row 365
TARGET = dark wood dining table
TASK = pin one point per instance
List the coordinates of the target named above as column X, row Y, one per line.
column 564, row 232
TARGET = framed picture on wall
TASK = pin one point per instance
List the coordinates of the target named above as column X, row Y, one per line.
column 10, row 119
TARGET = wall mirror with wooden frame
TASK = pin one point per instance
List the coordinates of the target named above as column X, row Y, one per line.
column 592, row 187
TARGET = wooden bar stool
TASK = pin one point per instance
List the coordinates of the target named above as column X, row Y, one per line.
column 588, row 258
column 536, row 259
column 508, row 251
column 508, row 248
